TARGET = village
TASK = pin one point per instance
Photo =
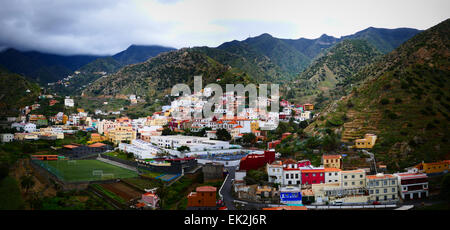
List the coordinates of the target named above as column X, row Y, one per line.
column 231, row 150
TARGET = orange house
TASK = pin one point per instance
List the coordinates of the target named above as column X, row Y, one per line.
column 204, row 196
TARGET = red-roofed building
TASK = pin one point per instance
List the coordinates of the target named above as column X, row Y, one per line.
column 204, row 196
column 284, row 135
column 255, row 161
column 150, row 199
column 273, row 144
column 412, row 185
column 313, row 176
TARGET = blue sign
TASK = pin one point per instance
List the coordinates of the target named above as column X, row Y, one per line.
column 291, row 196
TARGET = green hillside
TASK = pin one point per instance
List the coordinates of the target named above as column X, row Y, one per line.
column 13, row 92
column 405, row 100
column 333, row 69
column 154, row 78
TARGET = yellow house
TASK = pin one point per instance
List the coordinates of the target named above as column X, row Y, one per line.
column 308, row 107
column 435, row 167
column 254, row 126
column 121, row 133
column 367, row 143
column 332, row 161
column 95, row 137
column 65, row 118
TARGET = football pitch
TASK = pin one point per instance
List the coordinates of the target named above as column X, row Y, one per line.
column 87, row 170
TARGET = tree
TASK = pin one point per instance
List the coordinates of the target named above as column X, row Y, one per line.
column 4, row 171
column 26, row 182
column 162, row 194
column 445, row 187
column 249, row 138
column 223, row 135
column 183, row 148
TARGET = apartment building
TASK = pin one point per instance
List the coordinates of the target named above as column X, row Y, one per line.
column 121, row 133
column 412, row 185
column 332, row 175
column 382, row 187
column 353, row 178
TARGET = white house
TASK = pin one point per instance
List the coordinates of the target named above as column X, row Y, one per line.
column 6, row 137
column 29, row 128
column 69, row 102
column 332, row 175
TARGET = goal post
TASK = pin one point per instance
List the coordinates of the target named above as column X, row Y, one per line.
column 97, row 172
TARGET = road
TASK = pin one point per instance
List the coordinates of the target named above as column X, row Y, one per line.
column 229, row 199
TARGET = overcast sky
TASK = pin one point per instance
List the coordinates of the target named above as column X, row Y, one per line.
column 110, row 26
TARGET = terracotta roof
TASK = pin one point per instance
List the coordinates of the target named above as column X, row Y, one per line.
column 140, row 205
column 332, row 170
column 379, row 177
column 353, row 171
column 238, row 127
column 206, row 189
column 96, row 145
column 149, row 194
column 332, row 156
column 70, row 146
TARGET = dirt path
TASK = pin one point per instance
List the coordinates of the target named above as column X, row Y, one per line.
column 123, row 190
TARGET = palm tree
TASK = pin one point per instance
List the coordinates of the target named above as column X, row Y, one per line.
column 27, row 182
column 162, row 193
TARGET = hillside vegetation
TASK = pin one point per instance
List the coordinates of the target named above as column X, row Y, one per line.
column 405, row 100
column 333, row 69
column 13, row 92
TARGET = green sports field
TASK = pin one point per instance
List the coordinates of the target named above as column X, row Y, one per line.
column 86, row 170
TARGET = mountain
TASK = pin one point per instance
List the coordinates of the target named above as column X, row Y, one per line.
column 385, row 40
column 139, row 53
column 312, row 47
column 404, row 99
column 46, row 68
column 333, row 69
column 260, row 67
column 289, row 60
column 155, row 77
column 13, row 92
column 42, row 67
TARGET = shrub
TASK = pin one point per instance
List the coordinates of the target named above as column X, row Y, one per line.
column 398, row 100
column 384, row 101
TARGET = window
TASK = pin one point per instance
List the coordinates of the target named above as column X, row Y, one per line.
column 353, row 183
column 393, row 189
column 353, row 176
column 321, row 174
column 360, row 176
column 376, row 191
column 329, row 174
column 371, row 191
column 335, row 174
column 385, row 190
column 360, row 182
column 345, row 183
column 296, row 176
column 345, row 177
column 385, row 182
column 314, row 174
column 287, row 176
